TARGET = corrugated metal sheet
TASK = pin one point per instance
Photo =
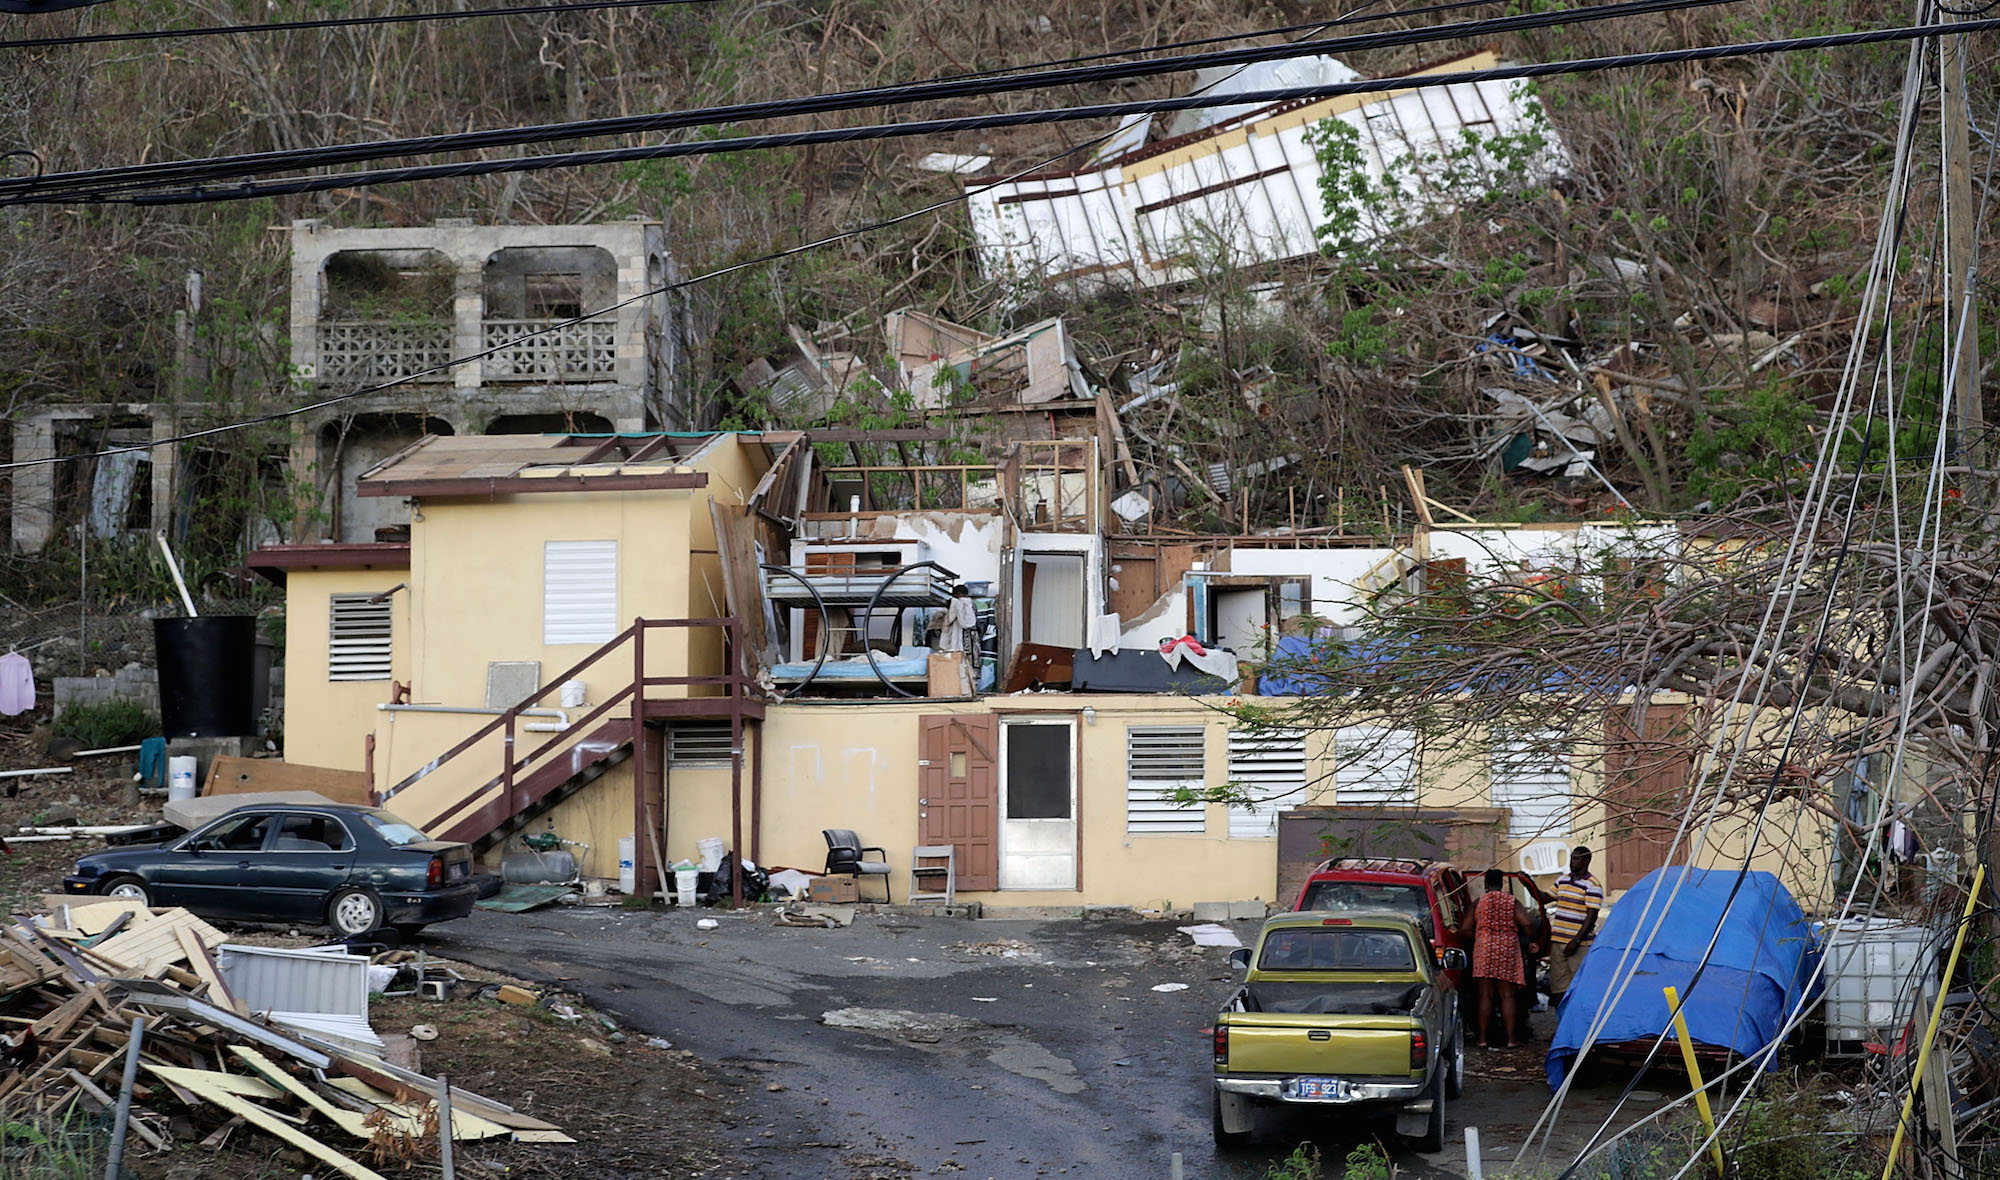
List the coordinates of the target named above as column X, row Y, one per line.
column 1249, row 192
column 1376, row 766
column 357, row 638
column 1160, row 759
column 579, row 591
column 1531, row 779
column 292, row 981
column 1270, row 766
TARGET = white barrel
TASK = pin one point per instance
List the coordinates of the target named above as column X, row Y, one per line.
column 711, row 851
column 180, row 778
column 628, row 879
column 572, row 694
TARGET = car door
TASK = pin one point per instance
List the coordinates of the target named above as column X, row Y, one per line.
column 311, row 854
column 214, row 871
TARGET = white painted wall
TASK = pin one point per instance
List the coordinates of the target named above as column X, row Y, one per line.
column 1334, row 573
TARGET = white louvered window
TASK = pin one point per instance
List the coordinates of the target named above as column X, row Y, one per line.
column 1531, row 779
column 357, row 638
column 1375, row 767
column 698, row 743
column 1269, row 766
column 1160, row 759
column 579, row 591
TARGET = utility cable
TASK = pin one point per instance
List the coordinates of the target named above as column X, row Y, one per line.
column 719, row 272
column 124, row 192
column 336, row 22
column 263, row 163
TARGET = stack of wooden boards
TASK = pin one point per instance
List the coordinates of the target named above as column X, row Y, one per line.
column 73, row 981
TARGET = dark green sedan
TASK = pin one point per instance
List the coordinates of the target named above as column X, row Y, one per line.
column 355, row 869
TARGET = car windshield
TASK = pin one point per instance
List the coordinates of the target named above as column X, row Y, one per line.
column 1343, row 896
column 394, row 832
column 1329, row 950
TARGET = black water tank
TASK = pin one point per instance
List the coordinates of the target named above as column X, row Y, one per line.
column 208, row 675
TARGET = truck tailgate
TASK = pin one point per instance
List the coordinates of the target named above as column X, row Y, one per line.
column 1349, row 1046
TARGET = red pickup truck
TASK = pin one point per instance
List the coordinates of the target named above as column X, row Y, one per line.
column 1434, row 892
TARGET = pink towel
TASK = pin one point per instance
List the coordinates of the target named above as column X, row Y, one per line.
column 17, row 684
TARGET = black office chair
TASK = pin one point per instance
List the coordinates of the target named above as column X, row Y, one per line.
column 846, row 854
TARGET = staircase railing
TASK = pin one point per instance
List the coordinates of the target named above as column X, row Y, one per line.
column 513, row 768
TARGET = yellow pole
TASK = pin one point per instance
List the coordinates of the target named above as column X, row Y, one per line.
column 1694, row 1077
column 1937, row 1015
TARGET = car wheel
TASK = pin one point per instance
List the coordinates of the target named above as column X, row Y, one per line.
column 353, row 912
column 126, row 885
column 1432, row 1140
column 1224, row 1138
column 1454, row 1078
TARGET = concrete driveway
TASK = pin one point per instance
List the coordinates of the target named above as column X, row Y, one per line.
column 996, row 1048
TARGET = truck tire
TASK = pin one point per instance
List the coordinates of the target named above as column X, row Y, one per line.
column 1432, row 1140
column 1454, row 1075
column 1226, row 1139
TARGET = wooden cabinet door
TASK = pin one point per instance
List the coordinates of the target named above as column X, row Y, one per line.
column 958, row 793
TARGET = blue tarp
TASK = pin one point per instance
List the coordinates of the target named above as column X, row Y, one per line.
column 1753, row 980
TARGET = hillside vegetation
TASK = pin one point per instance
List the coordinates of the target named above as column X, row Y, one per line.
column 1713, row 210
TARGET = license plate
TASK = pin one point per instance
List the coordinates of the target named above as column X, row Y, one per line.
column 1311, row 1089
column 458, row 871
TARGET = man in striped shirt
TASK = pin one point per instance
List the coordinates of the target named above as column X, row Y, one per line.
column 1572, row 921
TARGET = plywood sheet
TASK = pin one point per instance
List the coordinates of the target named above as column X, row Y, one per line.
column 242, row 776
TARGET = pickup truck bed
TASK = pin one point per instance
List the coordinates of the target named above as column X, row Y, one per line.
column 1339, row 999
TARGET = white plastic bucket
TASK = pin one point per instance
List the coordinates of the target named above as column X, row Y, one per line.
column 684, row 883
column 628, row 879
column 572, row 694
column 711, row 851
column 180, row 778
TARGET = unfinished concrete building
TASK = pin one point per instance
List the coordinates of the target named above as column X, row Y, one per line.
column 559, row 322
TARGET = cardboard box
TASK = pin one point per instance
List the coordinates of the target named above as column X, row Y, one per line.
column 947, row 674
column 834, row 889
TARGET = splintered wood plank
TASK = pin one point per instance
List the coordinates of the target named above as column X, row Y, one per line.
column 156, row 945
column 269, row 1121
column 410, row 1114
column 241, row 1085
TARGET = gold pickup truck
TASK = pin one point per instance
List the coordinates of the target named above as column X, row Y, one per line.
column 1347, row 1013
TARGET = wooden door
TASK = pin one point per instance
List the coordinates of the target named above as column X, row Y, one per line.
column 1645, row 788
column 958, row 793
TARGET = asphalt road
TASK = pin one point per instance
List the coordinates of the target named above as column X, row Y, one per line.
column 991, row 1048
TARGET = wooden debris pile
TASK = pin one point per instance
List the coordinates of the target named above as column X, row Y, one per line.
column 73, row 982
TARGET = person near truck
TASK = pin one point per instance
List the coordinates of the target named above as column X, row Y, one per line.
column 1572, row 922
column 1495, row 925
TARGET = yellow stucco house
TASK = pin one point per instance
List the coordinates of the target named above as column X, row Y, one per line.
column 587, row 632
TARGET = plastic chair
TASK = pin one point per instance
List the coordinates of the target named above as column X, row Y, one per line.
column 948, row 871
column 1544, row 857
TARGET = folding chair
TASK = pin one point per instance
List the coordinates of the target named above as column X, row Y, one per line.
column 924, row 860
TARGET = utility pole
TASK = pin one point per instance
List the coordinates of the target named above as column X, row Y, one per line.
column 1961, row 250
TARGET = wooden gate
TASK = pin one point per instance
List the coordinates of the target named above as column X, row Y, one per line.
column 1645, row 789
column 958, row 793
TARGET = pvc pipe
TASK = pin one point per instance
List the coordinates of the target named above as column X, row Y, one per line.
column 475, row 710
column 106, row 750
column 1475, row 1169
column 40, row 770
column 123, row 1118
column 173, row 567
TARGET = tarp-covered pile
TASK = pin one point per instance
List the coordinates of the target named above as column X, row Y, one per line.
column 1753, row 981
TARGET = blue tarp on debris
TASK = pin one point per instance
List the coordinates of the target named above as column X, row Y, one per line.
column 1753, row 980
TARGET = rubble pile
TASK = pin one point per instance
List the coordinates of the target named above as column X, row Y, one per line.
column 81, row 982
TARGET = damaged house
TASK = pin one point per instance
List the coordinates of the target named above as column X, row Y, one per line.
column 689, row 636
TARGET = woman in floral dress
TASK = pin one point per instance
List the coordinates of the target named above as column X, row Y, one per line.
column 1495, row 924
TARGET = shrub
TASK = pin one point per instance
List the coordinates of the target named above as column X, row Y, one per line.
column 107, row 723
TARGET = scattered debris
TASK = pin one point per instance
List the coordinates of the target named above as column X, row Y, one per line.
column 1170, row 987
column 830, row 917
column 892, row 1020
column 1000, row 948
column 1211, row 934
column 77, row 980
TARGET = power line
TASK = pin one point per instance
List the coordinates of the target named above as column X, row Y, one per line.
column 334, row 22
column 308, row 184
column 102, row 181
column 719, row 272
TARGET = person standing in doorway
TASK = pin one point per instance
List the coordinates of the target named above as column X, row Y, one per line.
column 1495, row 924
column 1572, row 922
column 961, row 633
